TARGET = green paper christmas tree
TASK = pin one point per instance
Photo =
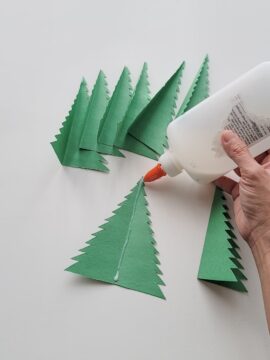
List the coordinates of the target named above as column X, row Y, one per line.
column 219, row 216
column 123, row 252
column 95, row 112
column 151, row 124
column 140, row 99
column 220, row 258
column 66, row 145
column 114, row 115
column 199, row 89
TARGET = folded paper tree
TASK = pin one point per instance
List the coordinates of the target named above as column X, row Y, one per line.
column 151, row 124
column 220, row 261
column 199, row 89
column 123, row 252
column 140, row 99
column 67, row 143
column 95, row 112
column 114, row 115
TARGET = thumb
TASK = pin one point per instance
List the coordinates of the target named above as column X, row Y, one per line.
column 237, row 150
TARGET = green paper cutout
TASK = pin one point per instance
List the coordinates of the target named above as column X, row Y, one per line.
column 97, row 105
column 140, row 99
column 211, row 269
column 114, row 114
column 66, row 145
column 199, row 89
column 220, row 259
column 123, row 252
column 151, row 124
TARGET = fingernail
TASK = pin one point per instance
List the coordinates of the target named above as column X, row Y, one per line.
column 227, row 135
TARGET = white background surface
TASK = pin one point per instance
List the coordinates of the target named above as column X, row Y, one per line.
column 47, row 212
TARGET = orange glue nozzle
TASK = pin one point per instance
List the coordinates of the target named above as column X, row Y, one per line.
column 154, row 174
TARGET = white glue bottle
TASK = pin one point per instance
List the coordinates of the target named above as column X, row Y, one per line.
column 194, row 141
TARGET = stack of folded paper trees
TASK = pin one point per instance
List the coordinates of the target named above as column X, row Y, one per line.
column 123, row 251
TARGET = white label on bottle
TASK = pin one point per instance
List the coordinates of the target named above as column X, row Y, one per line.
column 249, row 127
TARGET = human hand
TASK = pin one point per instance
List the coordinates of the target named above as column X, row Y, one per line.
column 251, row 195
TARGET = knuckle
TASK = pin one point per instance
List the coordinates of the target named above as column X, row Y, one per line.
column 238, row 149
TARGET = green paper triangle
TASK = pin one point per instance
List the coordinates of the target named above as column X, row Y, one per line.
column 217, row 263
column 140, row 98
column 199, row 89
column 220, row 236
column 151, row 124
column 114, row 114
column 66, row 145
column 95, row 112
column 123, row 252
